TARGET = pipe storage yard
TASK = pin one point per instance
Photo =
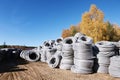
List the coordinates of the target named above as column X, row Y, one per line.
column 70, row 58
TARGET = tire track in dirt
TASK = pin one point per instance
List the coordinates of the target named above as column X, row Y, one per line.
column 4, row 76
column 28, row 74
column 31, row 73
column 41, row 71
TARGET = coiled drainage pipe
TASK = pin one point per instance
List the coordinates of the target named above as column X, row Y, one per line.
column 30, row 55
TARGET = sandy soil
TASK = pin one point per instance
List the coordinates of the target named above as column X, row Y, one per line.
column 21, row 70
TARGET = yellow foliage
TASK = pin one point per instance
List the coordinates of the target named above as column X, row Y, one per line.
column 116, row 37
column 93, row 25
column 69, row 32
column 66, row 33
column 73, row 30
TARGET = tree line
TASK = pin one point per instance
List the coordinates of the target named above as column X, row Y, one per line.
column 17, row 46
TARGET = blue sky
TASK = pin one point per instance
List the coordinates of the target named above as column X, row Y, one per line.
column 30, row 22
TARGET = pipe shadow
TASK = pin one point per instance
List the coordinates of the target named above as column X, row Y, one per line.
column 11, row 65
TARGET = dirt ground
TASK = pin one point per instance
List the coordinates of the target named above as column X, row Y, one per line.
column 21, row 70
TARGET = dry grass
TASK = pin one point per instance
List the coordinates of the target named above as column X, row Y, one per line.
column 41, row 71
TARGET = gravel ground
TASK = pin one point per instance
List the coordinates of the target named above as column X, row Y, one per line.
column 21, row 70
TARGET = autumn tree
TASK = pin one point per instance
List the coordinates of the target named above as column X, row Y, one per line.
column 70, row 32
column 92, row 24
column 73, row 30
column 66, row 33
column 116, row 36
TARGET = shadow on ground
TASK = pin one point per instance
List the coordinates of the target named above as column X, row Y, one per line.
column 11, row 65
